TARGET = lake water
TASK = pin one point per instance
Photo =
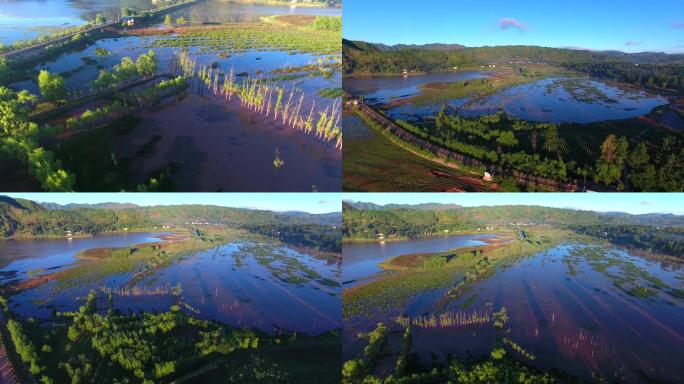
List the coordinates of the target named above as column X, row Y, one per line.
column 556, row 99
column 214, row 11
column 383, row 89
column 258, row 285
column 574, row 308
column 17, row 257
column 567, row 100
column 360, row 261
column 29, row 19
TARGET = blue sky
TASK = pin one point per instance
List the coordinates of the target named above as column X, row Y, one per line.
column 629, row 26
column 634, row 203
column 306, row 202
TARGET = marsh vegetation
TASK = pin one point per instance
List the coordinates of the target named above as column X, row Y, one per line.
column 118, row 91
column 551, row 301
column 193, row 304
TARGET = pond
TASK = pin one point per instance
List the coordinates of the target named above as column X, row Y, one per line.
column 360, row 261
column 594, row 312
column 554, row 99
column 258, row 285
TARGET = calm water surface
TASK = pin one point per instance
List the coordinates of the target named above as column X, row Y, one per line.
column 557, row 100
column 230, row 12
column 383, row 89
column 17, row 257
column 360, row 261
column 29, row 19
column 567, row 100
column 262, row 286
column 572, row 311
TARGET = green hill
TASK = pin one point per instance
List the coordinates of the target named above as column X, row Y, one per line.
column 360, row 222
column 363, row 57
column 24, row 218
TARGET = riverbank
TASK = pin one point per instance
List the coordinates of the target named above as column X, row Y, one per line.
column 284, row 3
column 26, row 237
column 357, row 240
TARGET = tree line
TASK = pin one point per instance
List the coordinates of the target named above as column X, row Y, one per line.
column 660, row 240
column 360, row 56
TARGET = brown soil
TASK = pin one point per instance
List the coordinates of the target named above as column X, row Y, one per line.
column 30, row 283
column 300, row 20
column 438, row 174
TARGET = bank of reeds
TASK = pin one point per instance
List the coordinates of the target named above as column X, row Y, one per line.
column 446, row 320
column 137, row 291
column 288, row 106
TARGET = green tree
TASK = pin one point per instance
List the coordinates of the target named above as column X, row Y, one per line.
column 671, row 174
column 105, row 80
column 551, row 140
column 507, row 139
column 168, row 21
column 4, row 70
column 181, row 21
column 127, row 11
column 638, row 157
column 52, row 86
column 126, row 70
column 613, row 156
column 146, row 64
column 642, row 174
column 100, row 19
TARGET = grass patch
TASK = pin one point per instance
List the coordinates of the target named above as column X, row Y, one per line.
column 237, row 38
column 452, row 274
column 330, row 93
column 375, row 161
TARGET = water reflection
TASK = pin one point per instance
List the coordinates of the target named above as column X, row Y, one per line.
column 245, row 284
column 557, row 99
column 360, row 261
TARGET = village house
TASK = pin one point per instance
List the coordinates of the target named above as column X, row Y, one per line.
column 128, row 21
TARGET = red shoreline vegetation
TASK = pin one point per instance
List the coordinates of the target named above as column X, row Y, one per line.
column 299, row 20
column 185, row 30
column 34, row 282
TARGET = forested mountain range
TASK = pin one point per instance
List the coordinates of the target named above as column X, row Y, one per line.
column 19, row 217
column 363, row 57
column 362, row 221
column 113, row 206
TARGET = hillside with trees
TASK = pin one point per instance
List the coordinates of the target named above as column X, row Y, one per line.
column 25, row 218
column 364, row 57
column 661, row 233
